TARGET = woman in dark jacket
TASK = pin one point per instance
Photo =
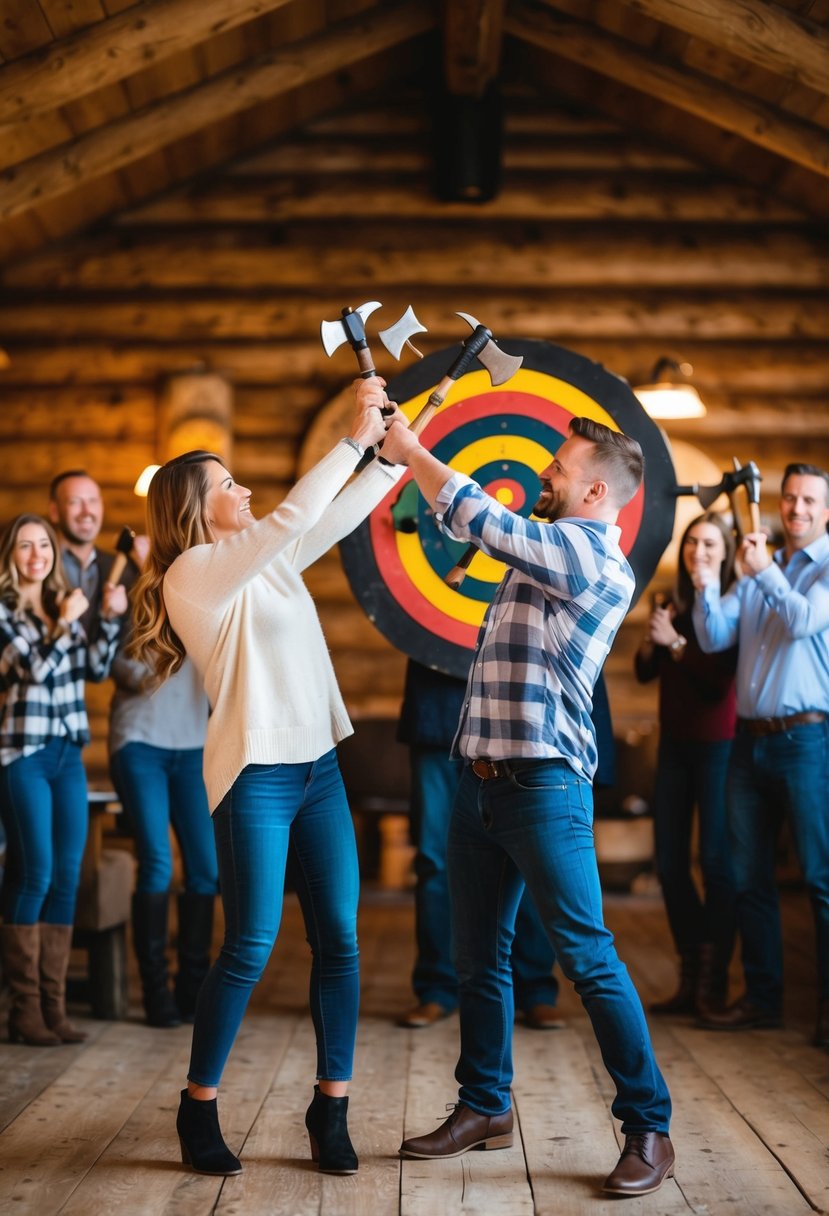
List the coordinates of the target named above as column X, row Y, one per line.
column 697, row 718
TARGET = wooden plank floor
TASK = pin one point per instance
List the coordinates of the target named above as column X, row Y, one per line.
column 90, row 1129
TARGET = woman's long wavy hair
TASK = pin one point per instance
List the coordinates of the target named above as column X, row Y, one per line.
column 176, row 521
column 684, row 591
column 54, row 585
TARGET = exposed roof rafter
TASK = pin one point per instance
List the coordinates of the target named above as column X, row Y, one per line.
column 114, row 49
column 126, row 140
column 472, row 34
column 541, row 25
column 757, row 30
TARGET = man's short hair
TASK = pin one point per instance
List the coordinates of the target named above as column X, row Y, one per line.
column 799, row 469
column 59, row 477
column 618, row 457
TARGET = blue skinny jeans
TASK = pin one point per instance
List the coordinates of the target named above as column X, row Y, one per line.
column 269, row 808
column 536, row 827
column 693, row 775
column 771, row 778
column 161, row 788
column 45, row 810
column 435, row 777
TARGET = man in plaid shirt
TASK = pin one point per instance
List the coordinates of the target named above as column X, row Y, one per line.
column 524, row 809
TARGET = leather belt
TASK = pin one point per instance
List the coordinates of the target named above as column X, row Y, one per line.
column 776, row 726
column 487, row 770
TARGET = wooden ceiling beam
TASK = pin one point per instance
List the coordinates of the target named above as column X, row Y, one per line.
column 540, row 25
column 757, row 30
column 472, row 35
column 103, row 54
column 109, row 148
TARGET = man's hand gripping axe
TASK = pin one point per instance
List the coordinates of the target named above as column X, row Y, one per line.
column 479, row 345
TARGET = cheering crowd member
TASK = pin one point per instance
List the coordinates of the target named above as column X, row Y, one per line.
column 227, row 589
column 44, row 662
column 523, row 812
column 779, row 614
column 697, row 716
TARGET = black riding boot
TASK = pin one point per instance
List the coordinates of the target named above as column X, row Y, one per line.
column 684, row 999
column 149, row 935
column 195, row 933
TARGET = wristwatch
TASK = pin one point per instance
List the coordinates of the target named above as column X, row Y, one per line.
column 677, row 647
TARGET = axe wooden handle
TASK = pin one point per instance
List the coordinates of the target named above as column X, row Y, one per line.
column 754, row 513
column 118, row 568
column 458, row 573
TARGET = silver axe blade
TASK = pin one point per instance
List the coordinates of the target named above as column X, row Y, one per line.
column 501, row 366
column 334, row 333
column 399, row 335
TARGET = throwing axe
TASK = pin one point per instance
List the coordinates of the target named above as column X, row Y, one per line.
column 479, row 345
column 748, row 476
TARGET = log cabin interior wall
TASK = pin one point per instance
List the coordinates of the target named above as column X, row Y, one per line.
column 622, row 229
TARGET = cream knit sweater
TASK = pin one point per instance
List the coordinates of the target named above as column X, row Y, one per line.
column 247, row 621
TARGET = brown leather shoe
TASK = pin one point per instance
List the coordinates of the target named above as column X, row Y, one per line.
column 465, row 1129
column 646, row 1161
column 822, row 1028
column 742, row 1015
column 544, row 1017
column 423, row 1015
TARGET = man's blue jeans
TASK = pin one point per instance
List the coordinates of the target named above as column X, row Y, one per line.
column 45, row 809
column 690, row 775
column 537, row 826
column 268, row 807
column 161, row 787
column 435, row 777
column 771, row 777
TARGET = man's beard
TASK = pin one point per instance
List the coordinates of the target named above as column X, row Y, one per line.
column 74, row 539
column 548, row 508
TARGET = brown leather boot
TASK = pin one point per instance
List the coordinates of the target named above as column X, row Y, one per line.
column 712, row 980
column 684, row 999
column 21, row 950
column 55, row 944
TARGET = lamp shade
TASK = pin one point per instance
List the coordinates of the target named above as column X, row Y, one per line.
column 142, row 485
column 669, row 395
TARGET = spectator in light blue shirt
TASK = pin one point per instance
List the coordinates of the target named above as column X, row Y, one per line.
column 523, row 811
column 779, row 613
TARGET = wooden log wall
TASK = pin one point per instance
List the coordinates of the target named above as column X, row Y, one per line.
column 599, row 241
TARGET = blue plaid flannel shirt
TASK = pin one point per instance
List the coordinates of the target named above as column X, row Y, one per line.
column 546, row 633
column 42, row 679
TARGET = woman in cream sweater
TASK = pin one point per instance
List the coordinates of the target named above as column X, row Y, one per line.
column 227, row 590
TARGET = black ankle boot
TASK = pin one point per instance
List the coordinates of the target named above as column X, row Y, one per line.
column 202, row 1145
column 325, row 1119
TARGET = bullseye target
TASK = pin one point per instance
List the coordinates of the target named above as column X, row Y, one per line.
column 397, row 561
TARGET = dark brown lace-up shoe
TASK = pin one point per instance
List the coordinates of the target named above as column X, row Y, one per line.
column 742, row 1015
column 465, row 1129
column 646, row 1161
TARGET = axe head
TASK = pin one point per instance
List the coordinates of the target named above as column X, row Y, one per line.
column 501, row 366
column 125, row 541
column 349, row 328
column 396, row 336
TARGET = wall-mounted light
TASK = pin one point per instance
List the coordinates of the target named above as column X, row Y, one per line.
column 669, row 394
column 143, row 484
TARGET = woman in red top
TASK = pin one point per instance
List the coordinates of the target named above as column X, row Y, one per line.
column 697, row 718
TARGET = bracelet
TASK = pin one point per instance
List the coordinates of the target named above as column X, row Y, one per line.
column 353, row 443
column 677, row 648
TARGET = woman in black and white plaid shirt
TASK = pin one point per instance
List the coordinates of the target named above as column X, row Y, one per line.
column 44, row 663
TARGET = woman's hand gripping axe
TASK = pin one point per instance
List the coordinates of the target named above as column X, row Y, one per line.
column 351, row 328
